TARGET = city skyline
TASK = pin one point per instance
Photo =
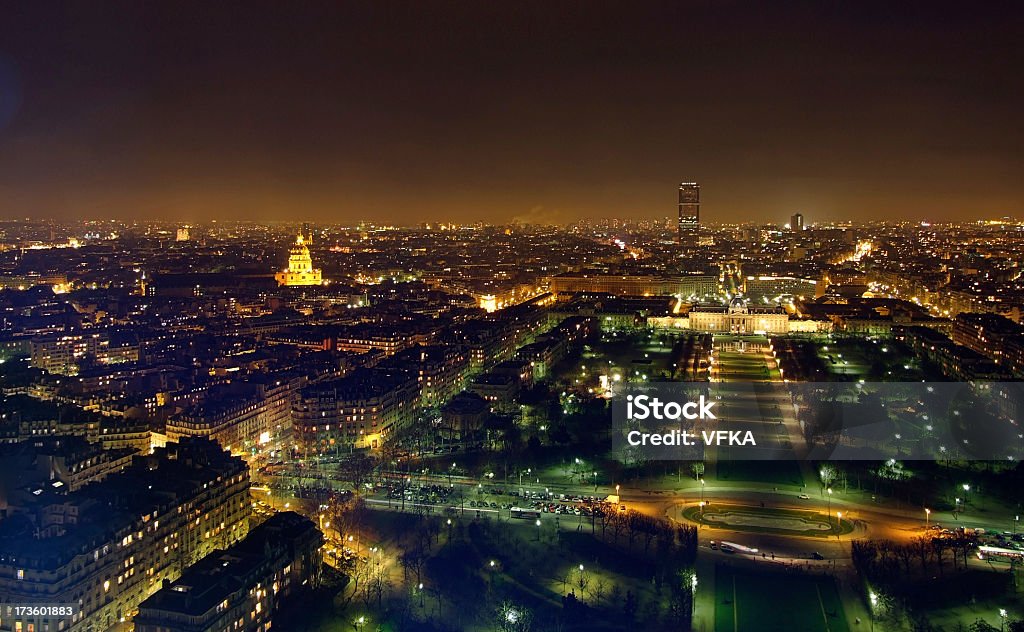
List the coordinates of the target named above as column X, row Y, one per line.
column 191, row 414
column 395, row 114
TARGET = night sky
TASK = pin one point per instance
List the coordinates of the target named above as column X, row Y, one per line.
column 416, row 111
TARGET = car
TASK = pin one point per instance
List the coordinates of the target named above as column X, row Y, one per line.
column 818, row 556
column 622, row 508
column 804, row 497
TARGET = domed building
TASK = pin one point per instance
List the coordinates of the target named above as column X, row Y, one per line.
column 300, row 269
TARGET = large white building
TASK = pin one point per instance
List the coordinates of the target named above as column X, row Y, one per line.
column 739, row 318
column 736, row 318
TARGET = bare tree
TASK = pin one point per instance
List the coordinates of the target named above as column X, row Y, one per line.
column 513, row 618
column 923, row 548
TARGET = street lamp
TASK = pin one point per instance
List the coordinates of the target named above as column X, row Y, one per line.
column 528, row 471
column 702, row 492
column 830, row 504
column 927, row 516
column 538, row 529
column 874, row 603
column 1002, row 619
column 839, row 523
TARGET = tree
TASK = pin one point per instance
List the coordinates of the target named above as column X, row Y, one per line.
column 616, row 522
column 357, row 470
column 922, row 547
column 904, row 552
column 513, row 618
column 582, row 577
column 630, row 605
column 680, row 607
column 828, row 474
column 346, row 517
column 939, row 550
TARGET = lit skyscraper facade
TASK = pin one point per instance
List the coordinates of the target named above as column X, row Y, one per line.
column 689, row 212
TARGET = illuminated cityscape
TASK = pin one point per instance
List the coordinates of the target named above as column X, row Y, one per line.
column 391, row 318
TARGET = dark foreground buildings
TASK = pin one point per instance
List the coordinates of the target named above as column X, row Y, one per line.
column 108, row 546
column 240, row 588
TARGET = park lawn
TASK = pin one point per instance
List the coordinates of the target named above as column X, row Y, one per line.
column 767, row 602
column 774, row 472
column 693, row 514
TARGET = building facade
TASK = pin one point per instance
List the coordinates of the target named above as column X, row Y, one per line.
column 993, row 336
column 689, row 213
column 360, row 410
column 67, row 353
column 240, row 588
column 739, row 318
column 240, row 417
column 111, row 544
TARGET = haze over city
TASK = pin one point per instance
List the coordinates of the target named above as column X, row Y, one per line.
column 400, row 113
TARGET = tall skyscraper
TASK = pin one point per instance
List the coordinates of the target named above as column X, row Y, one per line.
column 689, row 212
column 796, row 223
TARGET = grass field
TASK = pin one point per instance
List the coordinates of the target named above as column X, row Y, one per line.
column 768, row 520
column 769, row 602
column 774, row 472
